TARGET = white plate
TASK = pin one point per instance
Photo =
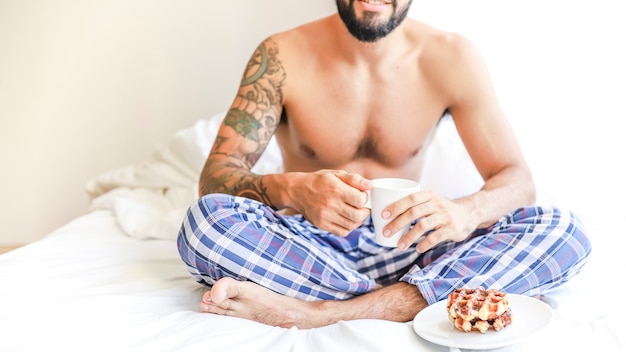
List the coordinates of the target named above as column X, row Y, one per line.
column 529, row 316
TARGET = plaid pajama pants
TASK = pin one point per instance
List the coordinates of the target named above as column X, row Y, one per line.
column 526, row 252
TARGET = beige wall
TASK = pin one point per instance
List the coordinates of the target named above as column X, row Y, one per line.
column 90, row 85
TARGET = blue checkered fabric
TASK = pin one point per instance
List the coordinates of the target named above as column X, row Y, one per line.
column 526, row 252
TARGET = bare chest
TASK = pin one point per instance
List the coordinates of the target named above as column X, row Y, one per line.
column 365, row 119
column 353, row 128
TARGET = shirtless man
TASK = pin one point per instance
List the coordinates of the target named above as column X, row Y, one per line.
column 350, row 98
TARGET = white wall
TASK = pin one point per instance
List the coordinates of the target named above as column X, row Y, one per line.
column 91, row 85
column 559, row 67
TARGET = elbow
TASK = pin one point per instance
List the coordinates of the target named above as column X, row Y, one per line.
column 531, row 194
column 530, row 190
column 200, row 190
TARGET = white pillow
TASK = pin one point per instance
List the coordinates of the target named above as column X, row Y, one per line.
column 446, row 166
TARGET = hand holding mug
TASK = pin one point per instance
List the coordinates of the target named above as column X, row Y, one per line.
column 384, row 192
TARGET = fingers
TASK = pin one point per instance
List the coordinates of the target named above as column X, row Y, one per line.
column 429, row 241
column 344, row 223
column 357, row 197
column 350, row 189
column 436, row 219
column 404, row 212
column 339, row 201
column 429, row 214
column 426, row 239
column 355, row 180
column 350, row 213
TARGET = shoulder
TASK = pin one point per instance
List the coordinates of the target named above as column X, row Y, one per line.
column 306, row 38
column 450, row 60
column 443, row 49
column 296, row 51
column 277, row 52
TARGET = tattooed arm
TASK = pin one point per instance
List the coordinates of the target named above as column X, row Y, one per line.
column 247, row 129
column 330, row 199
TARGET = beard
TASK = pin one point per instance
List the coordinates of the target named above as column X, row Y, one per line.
column 369, row 28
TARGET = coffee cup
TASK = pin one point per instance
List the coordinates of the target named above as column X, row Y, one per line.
column 384, row 192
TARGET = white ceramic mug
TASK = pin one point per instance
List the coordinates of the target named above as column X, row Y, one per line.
column 384, row 192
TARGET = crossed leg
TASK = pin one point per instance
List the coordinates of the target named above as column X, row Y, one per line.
column 398, row 302
column 544, row 245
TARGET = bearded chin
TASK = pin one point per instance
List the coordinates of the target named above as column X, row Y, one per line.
column 369, row 29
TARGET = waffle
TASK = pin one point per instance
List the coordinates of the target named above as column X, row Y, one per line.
column 479, row 309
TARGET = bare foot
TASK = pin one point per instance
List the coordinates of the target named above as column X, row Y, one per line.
column 250, row 301
column 399, row 302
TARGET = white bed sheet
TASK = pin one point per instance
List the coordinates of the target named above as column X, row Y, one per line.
column 90, row 287
column 112, row 279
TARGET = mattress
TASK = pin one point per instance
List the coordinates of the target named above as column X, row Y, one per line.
column 112, row 280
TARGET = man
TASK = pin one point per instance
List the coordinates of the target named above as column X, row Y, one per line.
column 350, row 98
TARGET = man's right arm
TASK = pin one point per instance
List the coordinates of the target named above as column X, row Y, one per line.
column 247, row 129
column 330, row 199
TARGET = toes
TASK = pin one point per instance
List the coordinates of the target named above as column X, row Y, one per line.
column 226, row 307
column 222, row 297
column 210, row 308
column 206, row 297
column 223, row 289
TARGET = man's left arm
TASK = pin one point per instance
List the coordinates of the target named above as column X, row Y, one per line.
column 459, row 72
column 490, row 141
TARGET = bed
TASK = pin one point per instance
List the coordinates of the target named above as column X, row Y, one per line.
column 112, row 280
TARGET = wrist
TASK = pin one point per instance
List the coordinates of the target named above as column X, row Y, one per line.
column 278, row 189
column 475, row 214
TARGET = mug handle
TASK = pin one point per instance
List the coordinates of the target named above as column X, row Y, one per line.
column 368, row 203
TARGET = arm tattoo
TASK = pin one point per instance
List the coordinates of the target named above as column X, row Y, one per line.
column 253, row 118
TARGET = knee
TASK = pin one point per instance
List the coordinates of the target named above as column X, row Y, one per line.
column 219, row 223
column 570, row 225
column 196, row 215
column 578, row 234
column 567, row 226
column 210, row 207
column 208, row 204
column 196, row 227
